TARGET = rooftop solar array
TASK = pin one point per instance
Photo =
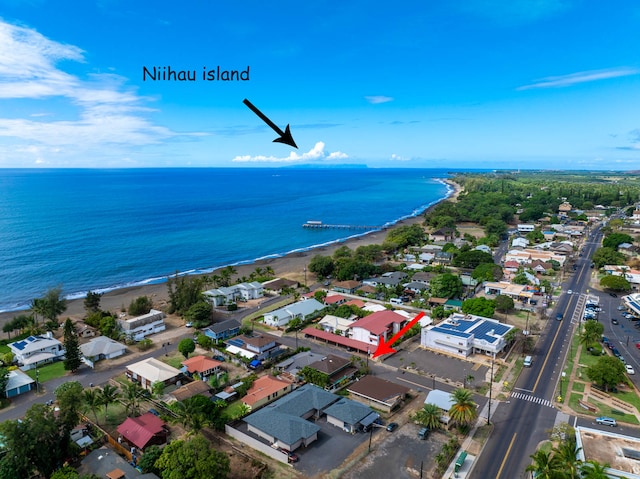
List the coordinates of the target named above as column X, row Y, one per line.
column 453, row 332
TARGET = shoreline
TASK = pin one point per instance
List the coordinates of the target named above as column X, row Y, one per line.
column 290, row 265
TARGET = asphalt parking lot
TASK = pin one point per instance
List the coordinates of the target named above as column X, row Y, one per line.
column 330, row 450
column 400, row 455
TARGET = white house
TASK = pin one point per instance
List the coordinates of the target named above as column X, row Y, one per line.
column 141, row 326
column 331, row 323
column 36, row 350
column 463, row 335
column 231, row 294
column 381, row 324
column 525, row 228
column 301, row 309
column 102, row 347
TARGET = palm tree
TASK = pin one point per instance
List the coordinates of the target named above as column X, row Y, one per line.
column 593, row 470
column 268, row 271
column 131, row 398
column 565, row 453
column 39, row 308
column 190, row 415
column 429, row 416
column 93, row 401
column 55, row 304
column 108, row 395
column 544, row 465
column 464, row 409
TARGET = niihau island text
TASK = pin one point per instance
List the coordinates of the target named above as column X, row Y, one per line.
column 167, row 73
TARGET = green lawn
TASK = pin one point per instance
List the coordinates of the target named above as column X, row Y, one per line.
column 235, row 409
column 605, row 410
column 4, row 349
column 578, row 387
column 48, row 372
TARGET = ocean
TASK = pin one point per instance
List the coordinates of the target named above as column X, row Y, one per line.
column 86, row 229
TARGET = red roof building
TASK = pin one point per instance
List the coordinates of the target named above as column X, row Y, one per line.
column 334, row 299
column 264, row 390
column 143, row 431
column 202, row 365
column 382, row 324
column 356, row 302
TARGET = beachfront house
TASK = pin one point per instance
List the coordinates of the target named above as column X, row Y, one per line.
column 34, row 351
column 302, row 310
column 237, row 292
column 141, row 326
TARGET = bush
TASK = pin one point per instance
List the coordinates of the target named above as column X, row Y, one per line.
column 232, row 307
column 139, row 306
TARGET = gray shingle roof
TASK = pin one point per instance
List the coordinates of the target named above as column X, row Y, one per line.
column 348, row 411
column 282, row 426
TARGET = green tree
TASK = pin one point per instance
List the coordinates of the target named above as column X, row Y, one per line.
column 192, row 459
column 140, row 305
column 186, row 346
column 495, row 227
column 72, row 355
column 544, row 465
column 322, row 266
column 226, row 274
column 472, row 259
column 504, row 303
column 4, row 380
column 148, row 460
column 132, row 395
column 92, row 400
column 591, row 332
column 69, row 398
column 109, row 327
column 184, row 291
column 66, row 472
column 55, row 304
column 615, row 283
column 92, row 302
column 535, row 236
column 592, row 469
column 429, row 416
column 487, row 272
column 464, row 409
column 314, row 376
column 604, row 256
column 108, row 395
column 607, row 372
column 200, row 314
column 480, row 306
column 446, row 285
column 565, row 452
column 616, row 239
column 204, row 341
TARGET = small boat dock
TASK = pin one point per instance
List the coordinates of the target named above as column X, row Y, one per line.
column 321, row 225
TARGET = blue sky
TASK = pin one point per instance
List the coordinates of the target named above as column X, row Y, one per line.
column 460, row 84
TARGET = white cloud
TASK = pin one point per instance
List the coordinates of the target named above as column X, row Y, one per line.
column 314, row 154
column 580, row 77
column 107, row 113
column 395, row 157
column 376, row 99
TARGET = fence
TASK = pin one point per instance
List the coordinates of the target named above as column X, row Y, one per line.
column 256, row 444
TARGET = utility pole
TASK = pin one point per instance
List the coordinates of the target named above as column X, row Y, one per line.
column 490, row 390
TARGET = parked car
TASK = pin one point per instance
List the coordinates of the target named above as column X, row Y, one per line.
column 629, row 369
column 222, row 359
column 291, row 456
column 559, row 317
column 613, row 295
column 606, row 421
column 154, row 412
column 392, row 426
column 620, row 307
column 614, row 321
column 569, row 291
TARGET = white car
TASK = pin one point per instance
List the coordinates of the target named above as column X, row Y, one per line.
column 629, row 369
column 569, row 292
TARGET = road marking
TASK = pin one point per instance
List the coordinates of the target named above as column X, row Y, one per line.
column 545, row 360
column 504, row 461
column 411, row 382
column 526, row 390
column 534, row 399
column 477, row 366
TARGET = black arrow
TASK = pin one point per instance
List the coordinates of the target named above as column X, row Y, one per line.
column 285, row 136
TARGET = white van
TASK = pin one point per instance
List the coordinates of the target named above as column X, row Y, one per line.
column 527, row 362
column 395, row 301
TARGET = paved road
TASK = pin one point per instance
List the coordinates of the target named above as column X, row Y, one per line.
column 524, row 421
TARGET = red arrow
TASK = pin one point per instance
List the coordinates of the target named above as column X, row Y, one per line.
column 385, row 348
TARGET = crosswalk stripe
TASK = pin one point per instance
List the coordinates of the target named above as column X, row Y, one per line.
column 530, row 398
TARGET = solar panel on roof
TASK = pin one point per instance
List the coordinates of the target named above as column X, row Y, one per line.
column 20, row 345
column 631, row 453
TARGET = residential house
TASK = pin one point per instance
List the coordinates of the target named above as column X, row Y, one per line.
column 223, row 330
column 265, row 390
column 434, row 302
column 102, row 347
column 284, row 423
column 453, row 305
column 526, row 228
column 277, row 285
column 442, row 258
column 36, row 350
column 150, row 371
column 336, row 324
column 378, row 393
column 526, row 256
column 194, row 388
column 105, row 462
column 18, row 383
column 85, row 331
column 630, row 274
column 484, row 248
column 293, row 365
column 463, row 335
column 334, row 299
column 256, row 346
column 561, row 247
column 629, row 250
column 358, row 303
column 337, row 369
column 520, row 242
column 549, row 235
column 518, row 292
column 376, row 326
column 348, row 287
column 564, row 208
column 143, row 431
column 511, row 266
column 202, row 366
column 443, row 235
column 416, row 287
column 389, row 280
column 541, row 267
column 237, row 292
column 443, row 400
column 350, row 416
column 140, row 327
column 422, row 277
column 301, row 309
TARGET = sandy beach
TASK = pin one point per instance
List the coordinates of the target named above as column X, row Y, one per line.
column 290, row 266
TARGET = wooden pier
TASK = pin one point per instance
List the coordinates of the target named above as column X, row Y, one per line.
column 321, row 225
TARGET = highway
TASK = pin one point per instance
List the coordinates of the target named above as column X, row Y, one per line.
column 523, row 421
